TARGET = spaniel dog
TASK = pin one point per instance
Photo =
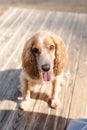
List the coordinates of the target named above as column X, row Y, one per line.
column 43, row 60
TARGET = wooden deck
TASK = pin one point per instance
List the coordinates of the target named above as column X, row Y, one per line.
column 16, row 26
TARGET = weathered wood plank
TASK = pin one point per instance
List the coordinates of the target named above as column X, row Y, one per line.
column 6, row 17
column 79, row 103
column 74, row 52
column 8, row 23
column 8, row 94
column 11, row 43
column 10, row 28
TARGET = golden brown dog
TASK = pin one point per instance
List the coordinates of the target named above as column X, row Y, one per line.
column 43, row 60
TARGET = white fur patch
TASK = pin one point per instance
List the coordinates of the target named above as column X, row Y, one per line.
column 41, row 40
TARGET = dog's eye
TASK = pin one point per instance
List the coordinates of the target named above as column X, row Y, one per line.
column 35, row 50
column 51, row 47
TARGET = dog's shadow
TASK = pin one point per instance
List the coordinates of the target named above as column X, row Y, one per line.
column 40, row 96
column 9, row 82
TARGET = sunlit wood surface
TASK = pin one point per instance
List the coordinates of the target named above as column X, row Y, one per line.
column 16, row 26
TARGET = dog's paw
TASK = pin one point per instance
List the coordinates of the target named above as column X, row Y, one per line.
column 56, row 104
column 25, row 105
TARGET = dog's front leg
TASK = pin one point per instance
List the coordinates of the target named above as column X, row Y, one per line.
column 55, row 101
column 24, row 88
column 25, row 103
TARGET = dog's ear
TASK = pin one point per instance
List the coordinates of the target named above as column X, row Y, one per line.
column 60, row 54
column 29, row 62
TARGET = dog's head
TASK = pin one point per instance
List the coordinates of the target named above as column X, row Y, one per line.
column 44, row 54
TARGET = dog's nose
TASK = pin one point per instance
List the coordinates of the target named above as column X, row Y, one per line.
column 45, row 67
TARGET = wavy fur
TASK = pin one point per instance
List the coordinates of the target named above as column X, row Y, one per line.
column 60, row 54
column 29, row 62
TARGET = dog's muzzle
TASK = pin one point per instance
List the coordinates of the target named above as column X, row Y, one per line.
column 46, row 72
column 45, row 67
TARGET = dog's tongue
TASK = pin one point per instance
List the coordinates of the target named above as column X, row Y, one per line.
column 47, row 76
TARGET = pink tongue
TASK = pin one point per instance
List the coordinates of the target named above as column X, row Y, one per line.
column 47, row 76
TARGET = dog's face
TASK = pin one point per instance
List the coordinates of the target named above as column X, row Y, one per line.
column 44, row 54
column 43, row 48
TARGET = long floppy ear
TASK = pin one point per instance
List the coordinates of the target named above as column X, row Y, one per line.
column 29, row 62
column 60, row 54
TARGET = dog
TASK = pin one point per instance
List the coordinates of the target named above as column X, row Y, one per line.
column 44, row 58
